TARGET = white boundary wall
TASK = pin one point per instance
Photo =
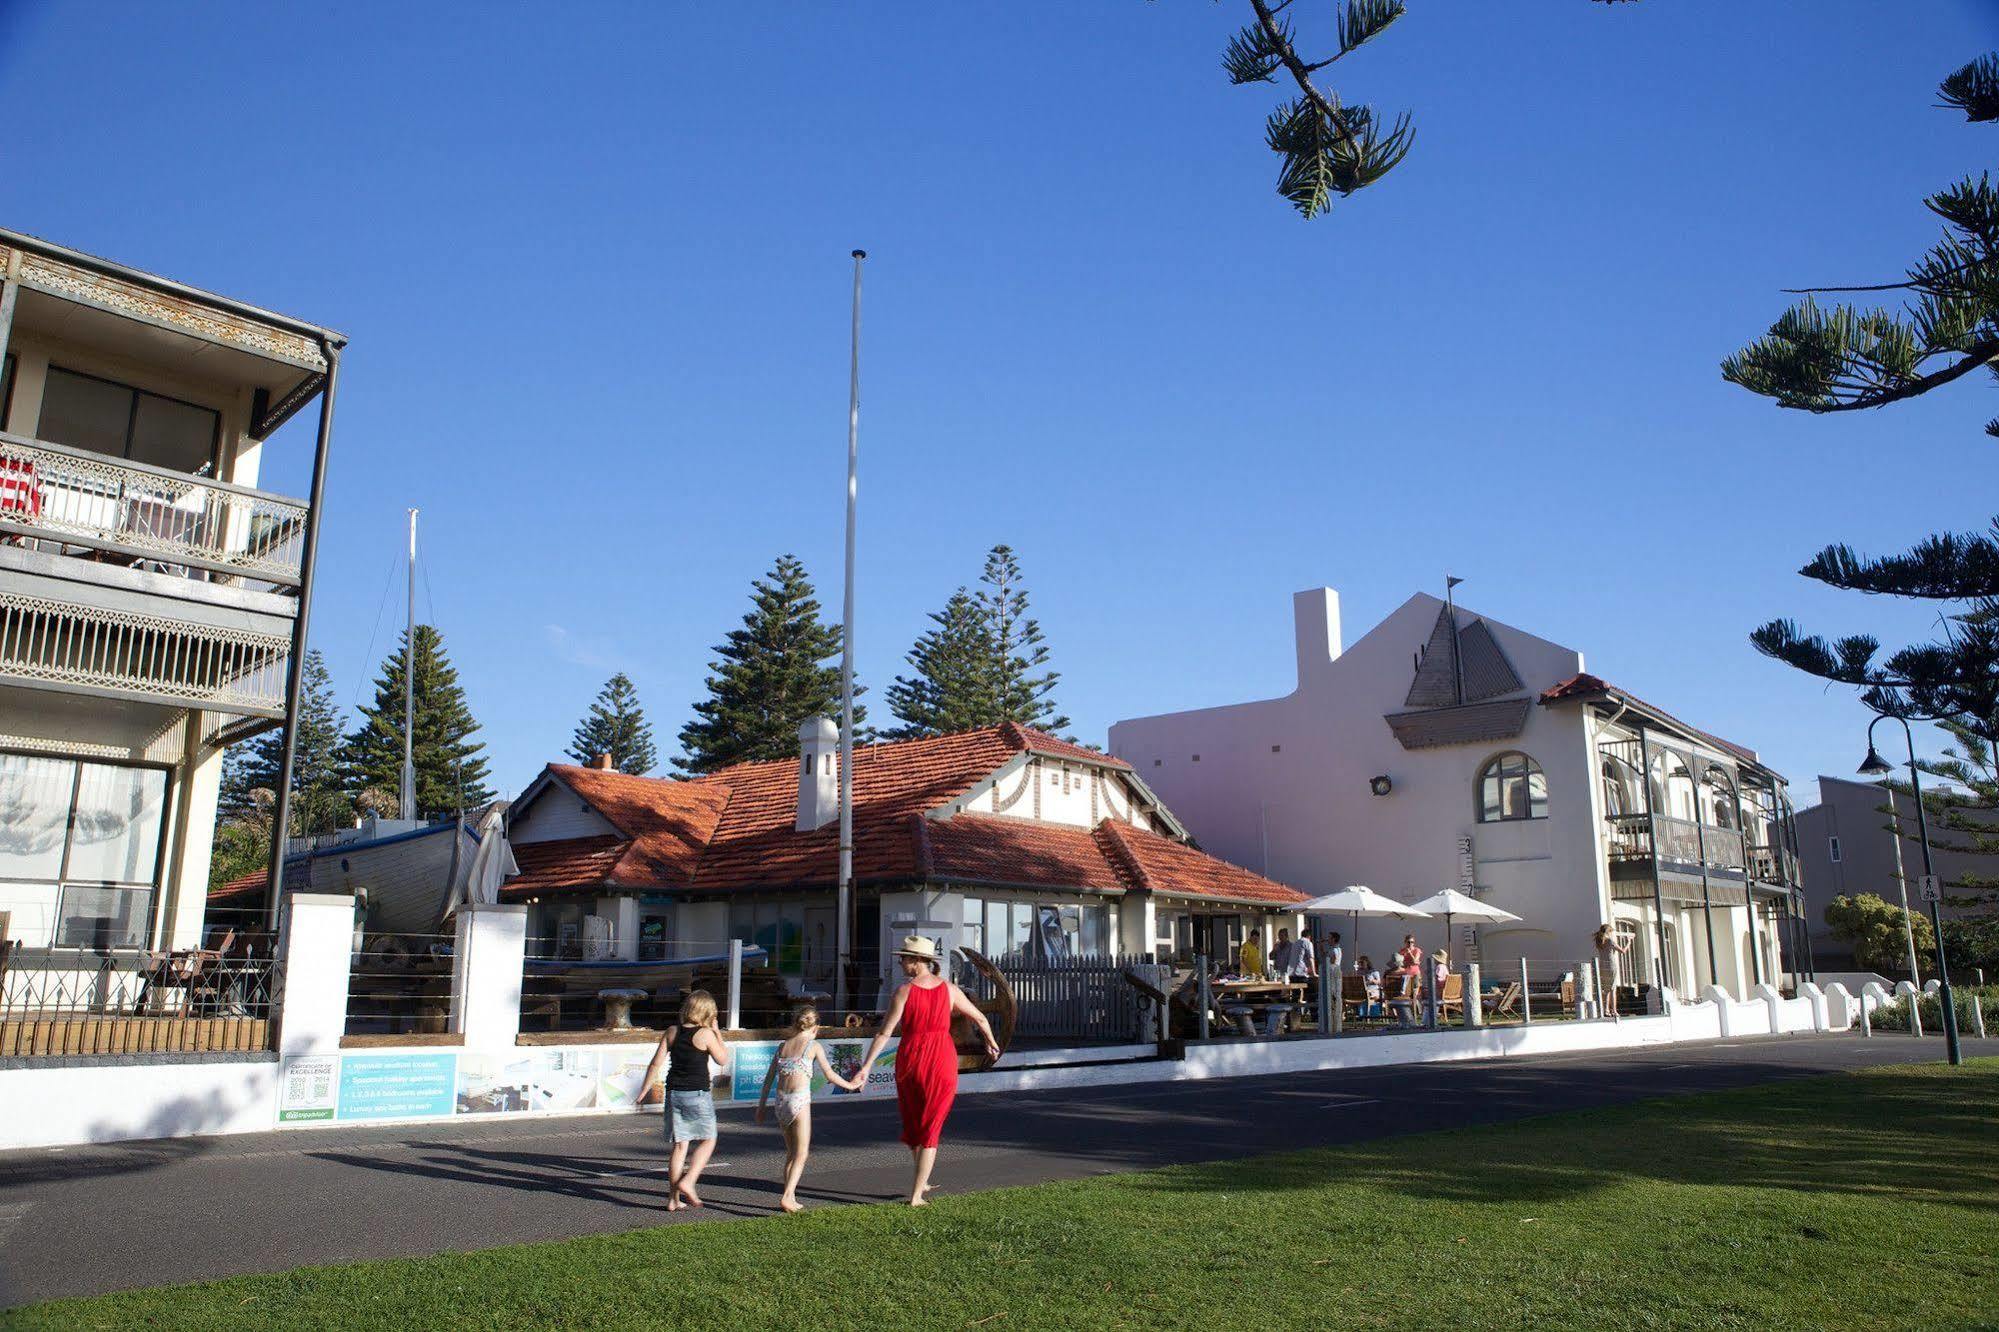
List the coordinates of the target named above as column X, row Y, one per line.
column 56, row 1103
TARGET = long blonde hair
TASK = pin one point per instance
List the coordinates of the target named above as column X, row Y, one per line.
column 697, row 1009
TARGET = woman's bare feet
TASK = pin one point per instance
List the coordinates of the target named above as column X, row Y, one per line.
column 688, row 1197
column 791, row 1204
column 673, row 1201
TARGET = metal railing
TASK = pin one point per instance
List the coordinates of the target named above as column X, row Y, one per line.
column 1636, row 837
column 59, row 1001
column 99, row 647
column 401, row 985
column 167, row 520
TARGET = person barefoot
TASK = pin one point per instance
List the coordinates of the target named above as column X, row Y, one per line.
column 791, row 1071
column 926, row 1063
column 686, row 1049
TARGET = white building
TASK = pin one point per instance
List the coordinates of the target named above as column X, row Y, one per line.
column 151, row 598
column 1441, row 752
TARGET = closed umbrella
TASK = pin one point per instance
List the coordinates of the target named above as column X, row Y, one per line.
column 492, row 863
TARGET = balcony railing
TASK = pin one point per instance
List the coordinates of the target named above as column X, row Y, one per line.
column 1637, row 837
column 151, row 516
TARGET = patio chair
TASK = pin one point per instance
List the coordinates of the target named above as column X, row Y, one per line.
column 1453, row 996
column 1506, row 1003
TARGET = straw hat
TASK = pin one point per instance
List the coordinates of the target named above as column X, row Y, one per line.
column 915, row 945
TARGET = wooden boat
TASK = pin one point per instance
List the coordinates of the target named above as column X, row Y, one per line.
column 1000, row 1010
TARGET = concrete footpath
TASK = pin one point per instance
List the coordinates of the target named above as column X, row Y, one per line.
column 82, row 1220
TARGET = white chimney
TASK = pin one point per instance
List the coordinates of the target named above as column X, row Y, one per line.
column 818, row 773
column 1315, row 617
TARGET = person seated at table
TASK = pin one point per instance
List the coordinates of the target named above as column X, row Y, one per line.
column 1249, row 962
column 1370, row 986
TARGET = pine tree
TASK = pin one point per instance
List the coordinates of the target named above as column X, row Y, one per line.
column 770, row 675
column 450, row 766
column 1963, row 817
column 616, row 725
column 320, row 801
column 981, row 665
column 955, row 687
column 1018, row 651
column 1845, row 359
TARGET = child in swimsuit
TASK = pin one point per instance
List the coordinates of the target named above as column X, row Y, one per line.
column 791, row 1071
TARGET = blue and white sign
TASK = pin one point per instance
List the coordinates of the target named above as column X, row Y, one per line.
column 396, row 1086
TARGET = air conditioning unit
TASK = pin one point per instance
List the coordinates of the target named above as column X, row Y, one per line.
column 599, row 938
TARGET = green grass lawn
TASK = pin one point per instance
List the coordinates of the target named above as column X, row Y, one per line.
column 1850, row 1201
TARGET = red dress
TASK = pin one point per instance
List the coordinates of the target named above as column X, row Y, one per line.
column 926, row 1065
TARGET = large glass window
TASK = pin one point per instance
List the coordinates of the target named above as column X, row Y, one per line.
column 86, row 412
column 1512, row 786
column 94, row 830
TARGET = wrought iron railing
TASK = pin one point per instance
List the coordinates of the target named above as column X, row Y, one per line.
column 123, row 651
column 1632, row 837
column 62, row 1001
column 166, row 520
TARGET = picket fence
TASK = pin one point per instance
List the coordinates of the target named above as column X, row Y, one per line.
column 1083, row 998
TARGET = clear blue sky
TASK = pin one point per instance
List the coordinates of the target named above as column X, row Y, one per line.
column 595, row 273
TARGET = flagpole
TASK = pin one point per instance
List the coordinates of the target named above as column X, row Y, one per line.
column 408, row 802
column 845, row 933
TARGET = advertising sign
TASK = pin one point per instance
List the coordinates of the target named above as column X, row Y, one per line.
column 308, row 1088
column 749, row 1060
column 396, row 1086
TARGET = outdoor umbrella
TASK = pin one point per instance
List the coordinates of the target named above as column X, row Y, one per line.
column 492, row 863
column 1359, row 900
column 1451, row 902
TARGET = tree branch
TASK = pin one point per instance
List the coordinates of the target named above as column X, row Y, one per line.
column 1287, row 55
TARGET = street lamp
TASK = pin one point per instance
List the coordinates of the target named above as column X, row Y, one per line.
column 1875, row 766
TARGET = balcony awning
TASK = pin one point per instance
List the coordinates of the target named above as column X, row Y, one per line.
column 1686, row 891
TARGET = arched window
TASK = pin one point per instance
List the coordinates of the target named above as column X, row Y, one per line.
column 1719, row 794
column 1512, row 786
column 1672, row 786
column 1620, row 787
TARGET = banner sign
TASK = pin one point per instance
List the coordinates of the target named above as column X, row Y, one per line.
column 307, row 1088
column 749, row 1060
column 395, row 1086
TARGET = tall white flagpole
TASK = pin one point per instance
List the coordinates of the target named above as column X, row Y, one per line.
column 408, row 802
column 845, row 935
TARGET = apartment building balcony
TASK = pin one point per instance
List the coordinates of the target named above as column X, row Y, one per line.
column 137, row 582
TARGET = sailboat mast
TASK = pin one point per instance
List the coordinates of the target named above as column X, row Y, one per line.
column 409, row 687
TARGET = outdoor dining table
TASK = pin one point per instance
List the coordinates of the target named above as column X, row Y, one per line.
column 1259, row 994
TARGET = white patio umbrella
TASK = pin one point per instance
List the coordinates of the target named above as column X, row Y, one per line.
column 1359, row 900
column 492, row 863
column 1451, row 903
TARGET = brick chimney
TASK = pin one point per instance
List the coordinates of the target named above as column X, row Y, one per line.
column 602, row 763
column 818, row 773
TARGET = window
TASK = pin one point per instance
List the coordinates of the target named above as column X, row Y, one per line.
column 1510, row 787
column 1620, row 788
column 1832, row 849
column 93, row 830
column 86, row 412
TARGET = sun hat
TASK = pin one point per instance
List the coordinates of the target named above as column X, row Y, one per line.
column 915, row 945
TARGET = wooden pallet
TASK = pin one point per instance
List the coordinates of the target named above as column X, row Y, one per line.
column 116, row 1033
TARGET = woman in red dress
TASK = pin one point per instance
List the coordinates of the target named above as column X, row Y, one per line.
column 926, row 1063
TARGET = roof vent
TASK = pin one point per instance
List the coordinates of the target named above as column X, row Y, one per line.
column 818, row 773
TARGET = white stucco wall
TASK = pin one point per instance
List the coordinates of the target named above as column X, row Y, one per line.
column 1281, row 785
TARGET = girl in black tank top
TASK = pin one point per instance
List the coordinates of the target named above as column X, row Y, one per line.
column 687, row 1066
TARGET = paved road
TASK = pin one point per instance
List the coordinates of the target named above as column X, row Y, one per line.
column 83, row 1220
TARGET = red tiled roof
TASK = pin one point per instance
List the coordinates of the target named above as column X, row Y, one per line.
column 667, row 823
column 737, row 828
column 244, row 885
column 569, row 862
column 1168, row 866
column 1595, row 686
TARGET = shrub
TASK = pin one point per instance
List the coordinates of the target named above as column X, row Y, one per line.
column 1874, row 926
column 1895, row 1016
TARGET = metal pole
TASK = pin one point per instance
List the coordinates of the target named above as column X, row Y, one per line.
column 845, row 904
column 1951, row 1049
column 735, row 984
column 1457, row 663
column 295, row 668
column 1652, row 839
column 1902, row 884
column 409, row 686
column 1707, row 901
column 1526, row 998
column 1748, row 888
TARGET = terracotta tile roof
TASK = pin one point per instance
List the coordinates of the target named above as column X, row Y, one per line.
column 736, row 828
column 667, row 823
column 245, row 885
column 1587, row 686
column 569, row 862
column 997, row 850
column 1168, row 866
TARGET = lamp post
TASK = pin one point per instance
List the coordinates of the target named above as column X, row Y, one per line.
column 1876, row 766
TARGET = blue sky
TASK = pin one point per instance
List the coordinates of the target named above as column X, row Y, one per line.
column 596, row 274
